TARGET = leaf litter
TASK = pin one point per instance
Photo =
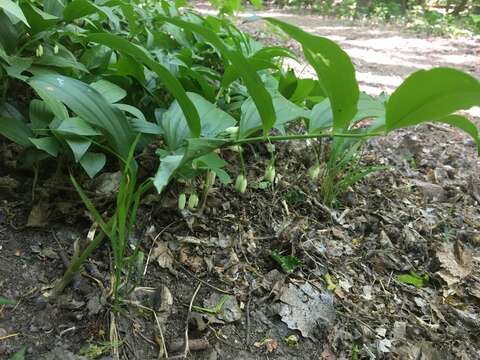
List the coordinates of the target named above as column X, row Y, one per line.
column 420, row 219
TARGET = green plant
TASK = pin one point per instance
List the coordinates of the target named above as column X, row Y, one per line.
column 104, row 84
column 288, row 262
column 5, row 301
column 20, row 355
column 414, row 279
column 117, row 228
column 342, row 166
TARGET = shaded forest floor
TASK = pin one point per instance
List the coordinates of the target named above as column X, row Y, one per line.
column 421, row 217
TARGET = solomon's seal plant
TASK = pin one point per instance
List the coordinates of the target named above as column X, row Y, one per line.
column 109, row 80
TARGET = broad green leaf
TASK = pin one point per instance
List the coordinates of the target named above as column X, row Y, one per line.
column 80, row 8
column 54, row 7
column 285, row 111
column 231, row 72
column 77, row 126
column 430, row 95
column 334, row 69
column 213, row 121
column 79, row 146
column 48, row 144
column 168, row 165
column 9, row 35
column 464, row 124
column 270, row 52
column 207, row 90
column 171, row 83
column 209, row 161
column 413, row 279
column 40, row 116
column 287, row 83
column 368, row 107
column 321, row 116
column 97, row 57
column 112, row 17
column 16, row 130
column 200, row 146
column 61, row 62
column 3, row 54
column 303, row 89
column 129, row 12
column 92, row 163
column 56, row 107
column 38, row 19
column 256, row 89
column 257, row 4
column 195, row 148
column 17, row 67
column 9, row 111
column 128, row 66
column 20, row 355
column 13, row 9
column 89, row 105
column 146, row 127
column 5, row 301
column 110, row 91
column 132, row 110
column 215, row 163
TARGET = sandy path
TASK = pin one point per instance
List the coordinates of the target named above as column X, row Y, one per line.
column 383, row 57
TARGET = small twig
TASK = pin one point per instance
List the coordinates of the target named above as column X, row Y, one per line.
column 193, row 345
column 73, row 328
column 187, row 348
column 114, row 336
column 153, row 244
column 206, row 283
column 352, row 317
column 8, row 336
column 165, row 352
column 247, row 312
column 185, row 352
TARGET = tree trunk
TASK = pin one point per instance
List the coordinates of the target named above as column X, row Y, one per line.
column 362, row 8
column 460, row 7
column 404, row 6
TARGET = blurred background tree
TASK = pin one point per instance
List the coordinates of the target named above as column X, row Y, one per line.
column 437, row 16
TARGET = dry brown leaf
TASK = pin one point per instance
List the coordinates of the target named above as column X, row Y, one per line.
column 327, row 354
column 455, row 263
column 194, row 262
column 163, row 255
column 270, row 345
column 166, row 299
column 38, row 216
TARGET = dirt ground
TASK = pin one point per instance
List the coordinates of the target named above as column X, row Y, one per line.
column 346, row 300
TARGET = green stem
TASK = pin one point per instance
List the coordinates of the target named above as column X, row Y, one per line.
column 301, row 137
column 76, row 263
column 4, row 91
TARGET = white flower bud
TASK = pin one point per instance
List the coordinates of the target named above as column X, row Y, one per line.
column 193, row 201
column 269, row 173
column 182, row 199
column 39, row 51
column 211, row 176
column 314, row 171
column 241, row 184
